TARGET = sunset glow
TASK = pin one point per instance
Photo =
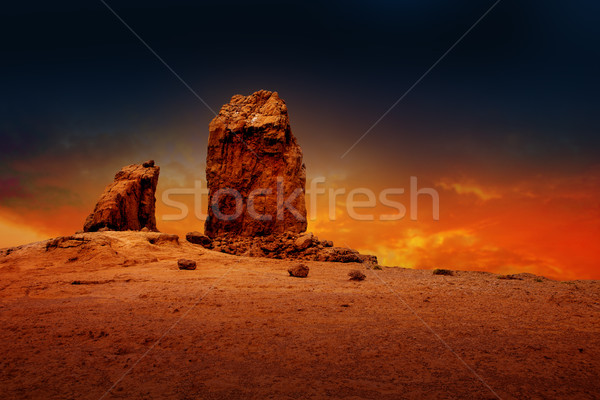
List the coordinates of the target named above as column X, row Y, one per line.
column 545, row 226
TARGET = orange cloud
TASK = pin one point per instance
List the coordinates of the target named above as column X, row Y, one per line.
column 470, row 188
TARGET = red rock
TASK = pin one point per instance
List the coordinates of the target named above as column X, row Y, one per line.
column 186, row 264
column 127, row 203
column 198, row 238
column 162, row 238
column 251, row 148
column 341, row 254
column 304, row 241
column 298, row 271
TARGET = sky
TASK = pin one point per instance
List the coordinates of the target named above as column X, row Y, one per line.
column 505, row 127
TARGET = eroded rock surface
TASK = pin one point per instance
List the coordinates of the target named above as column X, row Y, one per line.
column 198, row 238
column 288, row 246
column 128, row 203
column 184, row 263
column 251, row 149
column 298, row 271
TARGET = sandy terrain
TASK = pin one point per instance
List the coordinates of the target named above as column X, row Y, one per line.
column 113, row 308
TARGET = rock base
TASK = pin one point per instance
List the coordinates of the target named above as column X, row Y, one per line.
column 287, row 246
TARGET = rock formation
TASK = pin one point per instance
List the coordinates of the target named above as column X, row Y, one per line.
column 252, row 151
column 127, row 203
column 286, row 246
column 256, row 180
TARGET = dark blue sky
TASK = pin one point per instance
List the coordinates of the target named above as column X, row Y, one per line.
column 519, row 91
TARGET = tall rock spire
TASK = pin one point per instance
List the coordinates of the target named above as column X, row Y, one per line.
column 254, row 169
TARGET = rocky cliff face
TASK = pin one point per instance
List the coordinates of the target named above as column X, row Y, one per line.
column 127, row 203
column 254, row 169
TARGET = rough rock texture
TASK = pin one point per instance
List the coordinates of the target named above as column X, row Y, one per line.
column 251, row 148
column 198, row 238
column 288, row 246
column 304, row 241
column 183, row 263
column 128, row 202
column 298, row 271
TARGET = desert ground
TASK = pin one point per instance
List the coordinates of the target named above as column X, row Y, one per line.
column 109, row 315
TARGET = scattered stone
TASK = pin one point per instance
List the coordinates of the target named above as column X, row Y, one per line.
column 251, row 149
column 327, row 243
column 145, row 229
column 304, row 241
column 198, row 238
column 440, row 271
column 298, row 271
column 104, row 229
column 128, row 203
column 356, row 275
column 186, row 264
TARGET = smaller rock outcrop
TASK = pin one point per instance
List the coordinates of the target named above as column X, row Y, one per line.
column 286, row 246
column 298, row 271
column 128, row 203
column 186, row 264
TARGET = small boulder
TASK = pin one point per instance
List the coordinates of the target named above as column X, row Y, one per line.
column 186, row 264
column 198, row 238
column 304, row 241
column 298, row 271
